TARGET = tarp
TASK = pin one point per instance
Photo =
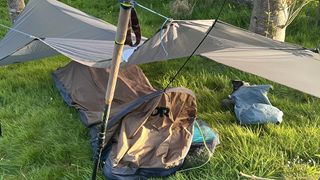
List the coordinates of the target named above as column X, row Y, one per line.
column 56, row 28
column 49, row 27
column 284, row 63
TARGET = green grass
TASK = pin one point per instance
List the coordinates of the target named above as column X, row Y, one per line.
column 43, row 138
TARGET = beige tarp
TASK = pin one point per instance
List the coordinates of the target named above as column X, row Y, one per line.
column 56, row 28
column 49, row 27
column 287, row 64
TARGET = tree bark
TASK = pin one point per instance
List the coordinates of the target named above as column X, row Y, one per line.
column 269, row 18
column 15, row 7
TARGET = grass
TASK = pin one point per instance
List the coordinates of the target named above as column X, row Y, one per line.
column 43, row 139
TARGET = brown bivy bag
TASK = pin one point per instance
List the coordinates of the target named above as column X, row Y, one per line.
column 148, row 129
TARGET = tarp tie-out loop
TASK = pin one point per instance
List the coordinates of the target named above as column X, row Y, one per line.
column 162, row 27
column 161, row 36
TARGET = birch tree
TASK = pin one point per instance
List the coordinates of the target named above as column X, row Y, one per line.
column 15, row 7
column 271, row 17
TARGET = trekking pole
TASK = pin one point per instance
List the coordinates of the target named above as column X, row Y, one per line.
column 124, row 15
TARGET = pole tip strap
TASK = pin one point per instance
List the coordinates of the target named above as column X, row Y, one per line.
column 119, row 43
column 126, row 4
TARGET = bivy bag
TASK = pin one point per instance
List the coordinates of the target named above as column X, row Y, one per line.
column 149, row 131
column 154, row 136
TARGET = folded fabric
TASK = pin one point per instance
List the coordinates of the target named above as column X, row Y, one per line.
column 252, row 105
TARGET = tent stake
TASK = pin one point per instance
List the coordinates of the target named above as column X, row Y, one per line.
column 122, row 28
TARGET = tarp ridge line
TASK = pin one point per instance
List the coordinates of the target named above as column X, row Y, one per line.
column 167, row 19
column 150, row 10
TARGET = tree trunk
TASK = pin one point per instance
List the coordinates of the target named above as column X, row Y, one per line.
column 269, row 18
column 15, row 8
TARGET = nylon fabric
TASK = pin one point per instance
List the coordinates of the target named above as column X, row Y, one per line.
column 284, row 63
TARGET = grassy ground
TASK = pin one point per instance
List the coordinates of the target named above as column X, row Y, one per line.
column 43, row 139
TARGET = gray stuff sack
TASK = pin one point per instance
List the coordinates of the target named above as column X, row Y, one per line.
column 252, row 105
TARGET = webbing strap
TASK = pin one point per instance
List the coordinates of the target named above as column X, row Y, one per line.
column 126, row 5
column 135, row 27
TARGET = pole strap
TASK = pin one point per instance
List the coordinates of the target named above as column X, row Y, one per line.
column 135, row 27
column 126, row 5
column 119, row 43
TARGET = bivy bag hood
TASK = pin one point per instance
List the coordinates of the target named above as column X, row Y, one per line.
column 154, row 137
